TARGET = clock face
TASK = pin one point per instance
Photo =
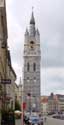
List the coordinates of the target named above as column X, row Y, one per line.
column 32, row 44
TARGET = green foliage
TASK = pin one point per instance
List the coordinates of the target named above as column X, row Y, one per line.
column 17, row 105
column 8, row 117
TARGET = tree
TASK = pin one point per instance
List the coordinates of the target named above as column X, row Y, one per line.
column 17, row 105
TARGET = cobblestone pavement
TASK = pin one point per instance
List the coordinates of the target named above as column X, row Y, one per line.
column 52, row 121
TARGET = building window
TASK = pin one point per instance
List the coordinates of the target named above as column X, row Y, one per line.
column 28, row 67
column 28, row 79
column 34, row 79
column 32, row 45
column 34, row 66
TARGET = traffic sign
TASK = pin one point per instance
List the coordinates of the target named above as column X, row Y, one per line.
column 5, row 81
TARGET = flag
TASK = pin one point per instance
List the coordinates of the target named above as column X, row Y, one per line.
column 24, row 105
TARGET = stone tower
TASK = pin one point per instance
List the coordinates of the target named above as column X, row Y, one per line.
column 32, row 59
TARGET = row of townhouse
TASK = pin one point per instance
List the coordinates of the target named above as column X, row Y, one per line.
column 44, row 104
column 10, row 88
column 7, row 74
column 52, row 103
column 56, row 103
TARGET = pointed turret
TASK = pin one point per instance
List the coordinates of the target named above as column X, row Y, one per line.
column 37, row 35
column 37, row 32
column 26, row 33
column 32, row 21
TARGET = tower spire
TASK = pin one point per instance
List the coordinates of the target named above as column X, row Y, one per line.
column 32, row 8
column 32, row 20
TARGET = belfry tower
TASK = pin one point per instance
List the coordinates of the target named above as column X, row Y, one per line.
column 31, row 74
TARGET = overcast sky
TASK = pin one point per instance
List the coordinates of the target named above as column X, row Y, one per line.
column 49, row 17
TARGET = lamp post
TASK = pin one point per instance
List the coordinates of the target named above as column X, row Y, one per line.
column 29, row 94
column 29, row 101
column 0, row 101
column 22, row 117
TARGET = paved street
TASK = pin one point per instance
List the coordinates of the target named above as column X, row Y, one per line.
column 52, row 121
column 49, row 121
column 18, row 122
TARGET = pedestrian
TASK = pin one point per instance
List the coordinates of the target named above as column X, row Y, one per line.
column 45, row 119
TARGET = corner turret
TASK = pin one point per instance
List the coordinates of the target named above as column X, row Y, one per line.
column 26, row 33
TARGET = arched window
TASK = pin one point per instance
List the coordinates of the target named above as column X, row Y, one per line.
column 28, row 79
column 28, row 67
column 34, row 79
column 34, row 66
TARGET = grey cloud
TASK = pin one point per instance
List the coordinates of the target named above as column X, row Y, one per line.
column 53, row 57
column 51, row 85
column 50, row 20
column 52, row 30
column 52, row 80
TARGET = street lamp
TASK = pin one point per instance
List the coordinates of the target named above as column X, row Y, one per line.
column 29, row 101
column 22, row 117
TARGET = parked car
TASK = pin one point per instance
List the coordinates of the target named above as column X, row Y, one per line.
column 41, row 120
column 56, row 116
column 35, row 120
column 59, row 116
column 26, row 120
column 51, row 113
